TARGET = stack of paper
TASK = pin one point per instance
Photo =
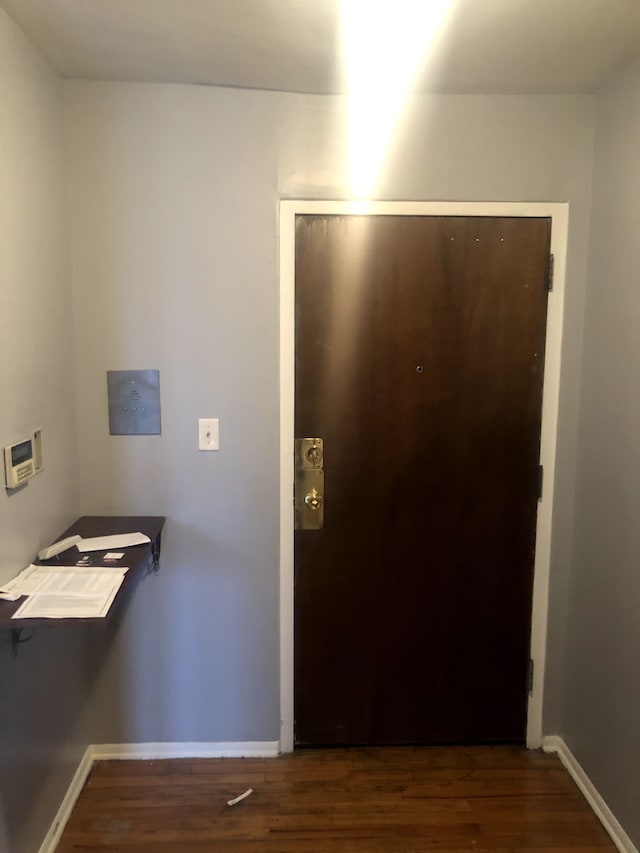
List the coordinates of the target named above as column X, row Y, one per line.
column 116, row 540
column 64, row 592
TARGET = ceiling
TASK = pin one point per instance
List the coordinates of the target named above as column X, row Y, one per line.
column 483, row 46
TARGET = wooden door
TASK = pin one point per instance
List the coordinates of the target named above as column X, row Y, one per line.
column 419, row 362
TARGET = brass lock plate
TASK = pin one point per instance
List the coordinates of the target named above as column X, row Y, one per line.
column 309, row 499
column 309, row 484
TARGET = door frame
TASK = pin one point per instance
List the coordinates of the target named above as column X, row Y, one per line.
column 559, row 215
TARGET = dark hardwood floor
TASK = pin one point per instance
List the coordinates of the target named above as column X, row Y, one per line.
column 397, row 800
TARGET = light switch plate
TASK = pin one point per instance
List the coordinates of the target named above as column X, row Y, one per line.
column 208, row 434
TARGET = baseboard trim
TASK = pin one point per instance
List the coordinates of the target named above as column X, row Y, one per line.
column 592, row 795
column 66, row 807
column 148, row 752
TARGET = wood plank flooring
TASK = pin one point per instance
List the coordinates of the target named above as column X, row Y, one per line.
column 397, row 800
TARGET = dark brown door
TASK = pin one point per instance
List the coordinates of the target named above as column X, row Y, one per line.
column 419, row 362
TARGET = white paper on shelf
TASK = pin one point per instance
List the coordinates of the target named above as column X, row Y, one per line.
column 66, row 592
column 21, row 584
column 62, row 580
column 56, row 606
column 107, row 543
column 9, row 596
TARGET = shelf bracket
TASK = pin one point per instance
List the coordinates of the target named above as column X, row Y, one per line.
column 155, row 553
column 17, row 639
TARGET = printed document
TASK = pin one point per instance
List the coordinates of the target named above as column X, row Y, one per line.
column 64, row 592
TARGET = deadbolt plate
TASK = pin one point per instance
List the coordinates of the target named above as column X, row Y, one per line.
column 309, row 453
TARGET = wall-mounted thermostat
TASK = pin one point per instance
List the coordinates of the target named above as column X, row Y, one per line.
column 23, row 460
column 19, row 463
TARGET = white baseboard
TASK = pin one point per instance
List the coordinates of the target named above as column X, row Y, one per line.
column 146, row 751
column 150, row 751
column 66, row 807
column 593, row 797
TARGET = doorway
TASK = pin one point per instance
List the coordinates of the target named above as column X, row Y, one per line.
column 379, row 726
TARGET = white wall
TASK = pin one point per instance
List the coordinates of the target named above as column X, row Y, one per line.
column 602, row 697
column 174, row 218
column 38, row 753
column 36, row 376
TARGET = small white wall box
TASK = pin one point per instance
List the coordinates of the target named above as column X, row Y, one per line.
column 38, row 450
column 19, row 463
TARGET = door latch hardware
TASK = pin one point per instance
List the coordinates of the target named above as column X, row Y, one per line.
column 313, row 499
column 309, row 484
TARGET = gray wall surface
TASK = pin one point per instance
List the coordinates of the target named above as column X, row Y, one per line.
column 40, row 691
column 174, row 211
column 600, row 721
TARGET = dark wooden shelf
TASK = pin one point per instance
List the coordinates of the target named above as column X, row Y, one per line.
column 139, row 559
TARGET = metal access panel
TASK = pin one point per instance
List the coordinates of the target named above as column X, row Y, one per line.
column 134, row 402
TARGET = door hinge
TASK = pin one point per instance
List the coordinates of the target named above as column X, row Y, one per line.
column 550, row 273
column 540, row 481
column 530, row 677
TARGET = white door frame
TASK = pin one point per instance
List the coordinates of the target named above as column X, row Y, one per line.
column 559, row 214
